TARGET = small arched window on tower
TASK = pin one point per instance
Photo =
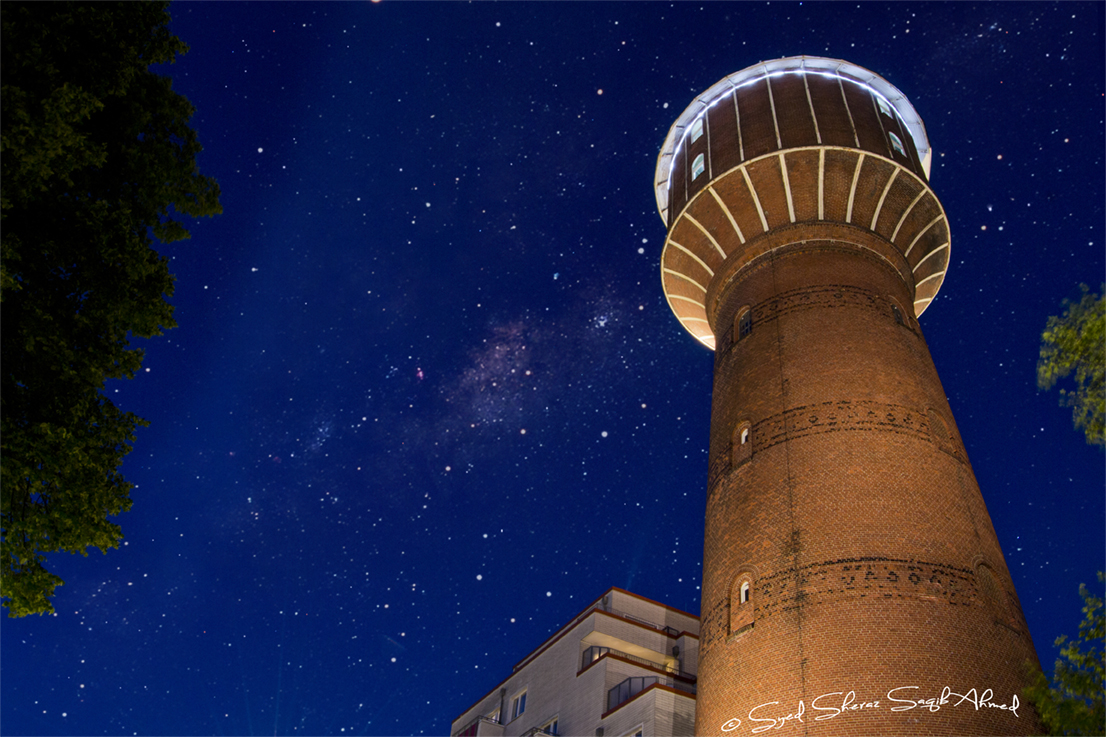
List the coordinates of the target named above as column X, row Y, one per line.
column 741, row 603
column 744, row 324
column 696, row 130
column 897, row 314
column 896, row 143
column 742, row 443
column 698, row 166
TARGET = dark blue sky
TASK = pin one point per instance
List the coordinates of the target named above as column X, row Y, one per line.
column 426, row 400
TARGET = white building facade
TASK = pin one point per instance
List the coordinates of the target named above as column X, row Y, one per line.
column 624, row 667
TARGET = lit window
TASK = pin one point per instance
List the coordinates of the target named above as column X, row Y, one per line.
column 698, row 166
column 884, row 107
column 744, row 435
column 518, row 705
column 897, row 144
column 744, row 592
column 696, row 130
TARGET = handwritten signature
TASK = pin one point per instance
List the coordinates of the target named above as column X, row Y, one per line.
column 833, row 704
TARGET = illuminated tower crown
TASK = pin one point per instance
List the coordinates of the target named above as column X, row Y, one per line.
column 847, row 547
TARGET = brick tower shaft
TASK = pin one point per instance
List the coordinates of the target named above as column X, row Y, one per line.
column 853, row 582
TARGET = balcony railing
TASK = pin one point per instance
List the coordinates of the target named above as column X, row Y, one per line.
column 631, row 687
column 595, row 652
column 472, row 727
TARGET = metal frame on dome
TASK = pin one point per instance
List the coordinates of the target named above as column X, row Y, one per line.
column 790, row 65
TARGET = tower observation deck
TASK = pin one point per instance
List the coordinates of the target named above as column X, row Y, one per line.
column 852, row 579
column 787, row 142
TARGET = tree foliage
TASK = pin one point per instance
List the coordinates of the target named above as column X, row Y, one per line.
column 1076, row 342
column 99, row 162
column 1075, row 705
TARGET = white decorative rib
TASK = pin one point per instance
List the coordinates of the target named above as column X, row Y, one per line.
column 756, row 200
column 882, row 197
column 821, row 184
column 931, row 276
column 852, row 123
column 737, row 116
column 813, row 116
column 852, row 190
column 907, row 212
column 686, row 278
column 698, row 260
column 922, row 232
column 772, row 102
column 682, row 298
column 708, row 235
column 939, row 248
column 726, row 210
column 787, row 188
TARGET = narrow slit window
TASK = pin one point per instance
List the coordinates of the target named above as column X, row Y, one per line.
column 698, row 166
column 745, row 592
column 897, row 313
column 744, row 435
column 896, row 144
column 696, row 130
column 884, row 107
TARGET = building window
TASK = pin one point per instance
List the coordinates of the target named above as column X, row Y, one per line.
column 518, row 705
column 897, row 144
column 550, row 727
column 698, row 166
column 696, row 130
column 744, row 592
column 897, row 314
column 494, row 717
column 744, row 324
column 742, row 443
column 884, row 107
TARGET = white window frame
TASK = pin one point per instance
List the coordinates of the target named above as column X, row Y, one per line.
column 518, row 700
column 697, row 129
column 896, row 143
column 884, row 107
column 698, row 166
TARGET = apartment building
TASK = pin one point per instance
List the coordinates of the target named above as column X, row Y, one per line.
column 624, row 667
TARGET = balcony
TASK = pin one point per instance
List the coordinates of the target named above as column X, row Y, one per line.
column 631, row 687
column 595, row 652
column 482, row 726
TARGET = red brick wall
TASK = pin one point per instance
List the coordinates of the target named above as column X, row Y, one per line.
column 856, row 515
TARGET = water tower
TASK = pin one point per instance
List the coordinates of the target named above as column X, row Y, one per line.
column 852, row 579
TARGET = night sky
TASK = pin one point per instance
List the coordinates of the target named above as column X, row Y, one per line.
column 426, row 400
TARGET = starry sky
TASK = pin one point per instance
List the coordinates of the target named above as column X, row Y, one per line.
column 426, row 400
